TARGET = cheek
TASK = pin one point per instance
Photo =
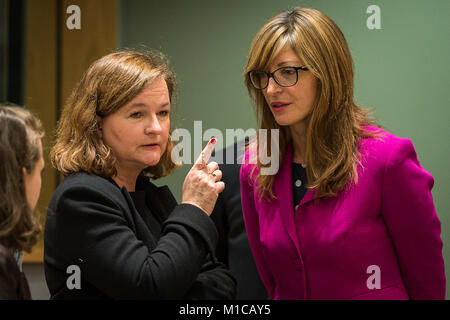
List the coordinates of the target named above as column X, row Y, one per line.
column 33, row 188
column 264, row 95
column 39, row 184
column 312, row 89
column 305, row 94
column 165, row 135
column 113, row 129
column 118, row 139
column 112, row 136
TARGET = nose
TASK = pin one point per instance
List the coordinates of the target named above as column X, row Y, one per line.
column 272, row 87
column 152, row 126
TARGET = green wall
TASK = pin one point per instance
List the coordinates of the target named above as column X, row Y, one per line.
column 402, row 71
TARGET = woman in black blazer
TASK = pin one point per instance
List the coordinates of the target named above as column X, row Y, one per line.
column 110, row 233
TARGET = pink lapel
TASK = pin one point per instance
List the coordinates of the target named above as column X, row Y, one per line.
column 282, row 188
column 309, row 196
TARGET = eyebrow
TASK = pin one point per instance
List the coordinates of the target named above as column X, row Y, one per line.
column 288, row 62
column 141, row 104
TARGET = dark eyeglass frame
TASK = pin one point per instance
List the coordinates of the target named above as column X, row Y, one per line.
column 271, row 75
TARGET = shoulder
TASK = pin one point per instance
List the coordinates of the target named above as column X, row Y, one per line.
column 382, row 140
column 13, row 282
column 385, row 145
column 87, row 182
column 9, row 270
column 84, row 187
column 388, row 153
column 87, row 179
column 6, row 258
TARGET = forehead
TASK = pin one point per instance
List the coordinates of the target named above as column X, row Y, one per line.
column 156, row 92
column 158, row 88
column 286, row 56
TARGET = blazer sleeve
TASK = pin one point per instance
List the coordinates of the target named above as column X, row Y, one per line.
column 410, row 215
column 94, row 235
column 214, row 282
column 251, row 221
column 218, row 216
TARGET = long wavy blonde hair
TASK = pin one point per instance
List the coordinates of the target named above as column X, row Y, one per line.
column 336, row 122
column 108, row 84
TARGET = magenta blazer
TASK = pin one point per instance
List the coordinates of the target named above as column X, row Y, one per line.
column 331, row 249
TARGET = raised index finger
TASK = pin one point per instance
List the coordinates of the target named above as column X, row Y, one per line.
column 206, row 153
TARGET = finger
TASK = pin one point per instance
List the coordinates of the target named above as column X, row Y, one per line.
column 212, row 166
column 203, row 162
column 217, row 175
column 200, row 162
column 209, row 149
column 220, row 185
column 206, row 153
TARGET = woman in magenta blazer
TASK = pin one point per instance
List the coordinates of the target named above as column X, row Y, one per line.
column 349, row 213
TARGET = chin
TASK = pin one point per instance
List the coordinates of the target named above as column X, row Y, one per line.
column 151, row 162
column 284, row 122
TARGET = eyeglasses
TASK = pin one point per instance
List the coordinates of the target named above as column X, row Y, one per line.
column 284, row 77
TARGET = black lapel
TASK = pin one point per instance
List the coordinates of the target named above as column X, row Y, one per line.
column 137, row 223
column 160, row 200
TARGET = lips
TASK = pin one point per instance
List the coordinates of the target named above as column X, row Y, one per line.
column 151, row 145
column 279, row 105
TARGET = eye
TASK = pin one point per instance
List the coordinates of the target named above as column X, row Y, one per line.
column 288, row 71
column 136, row 115
column 163, row 113
column 259, row 75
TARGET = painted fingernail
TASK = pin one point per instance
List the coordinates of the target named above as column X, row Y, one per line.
column 213, row 140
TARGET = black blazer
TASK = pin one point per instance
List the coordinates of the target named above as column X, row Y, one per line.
column 94, row 224
column 233, row 248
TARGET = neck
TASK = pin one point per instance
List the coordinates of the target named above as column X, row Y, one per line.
column 126, row 178
column 299, row 134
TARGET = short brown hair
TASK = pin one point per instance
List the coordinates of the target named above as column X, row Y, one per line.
column 108, row 84
column 20, row 133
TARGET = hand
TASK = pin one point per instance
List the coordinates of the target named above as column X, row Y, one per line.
column 202, row 184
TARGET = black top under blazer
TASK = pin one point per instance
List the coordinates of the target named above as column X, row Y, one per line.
column 94, row 224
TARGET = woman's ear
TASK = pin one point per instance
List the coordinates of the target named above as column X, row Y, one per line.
column 99, row 126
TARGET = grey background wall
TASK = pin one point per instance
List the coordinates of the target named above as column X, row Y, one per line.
column 402, row 70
